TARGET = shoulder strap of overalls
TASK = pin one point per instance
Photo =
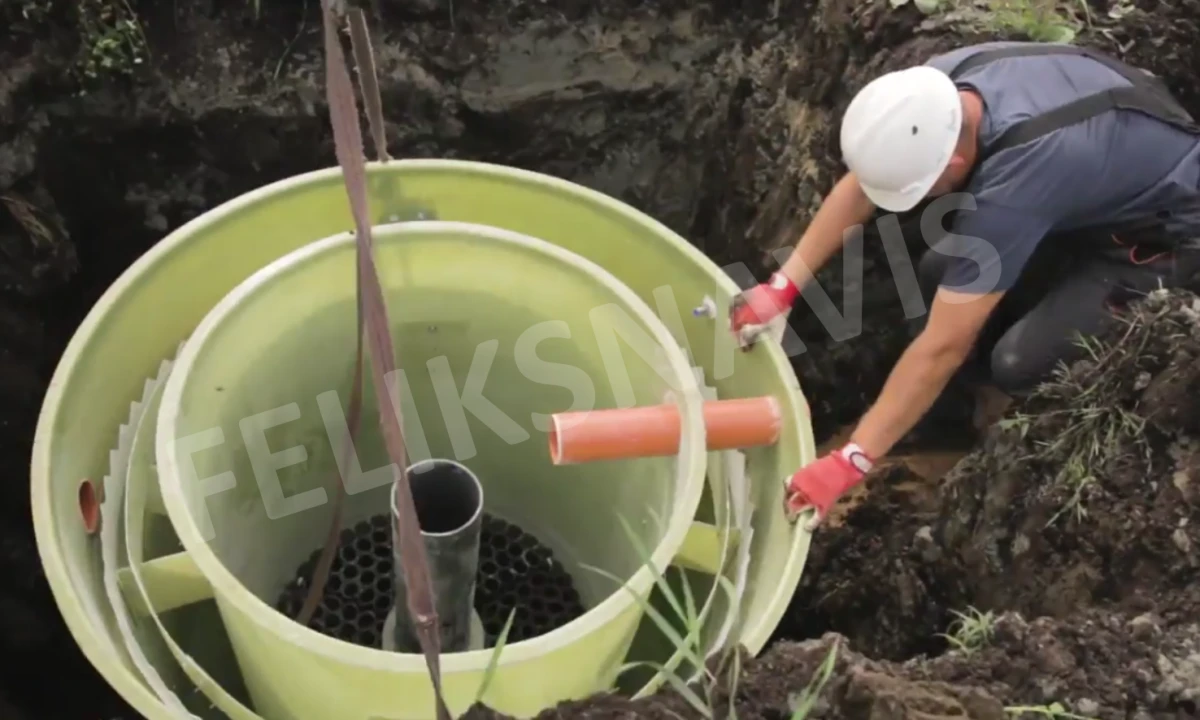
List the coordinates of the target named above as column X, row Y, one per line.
column 1146, row 94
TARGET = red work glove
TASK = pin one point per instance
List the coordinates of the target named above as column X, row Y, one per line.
column 763, row 303
column 820, row 485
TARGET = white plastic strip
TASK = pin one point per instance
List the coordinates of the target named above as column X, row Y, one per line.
column 138, row 488
column 734, row 463
column 112, row 548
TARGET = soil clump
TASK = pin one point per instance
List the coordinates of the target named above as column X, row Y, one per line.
column 719, row 119
column 1094, row 664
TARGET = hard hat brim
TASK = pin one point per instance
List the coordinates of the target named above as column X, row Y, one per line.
column 900, row 201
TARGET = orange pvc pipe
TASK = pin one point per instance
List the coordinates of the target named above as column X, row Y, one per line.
column 653, row 431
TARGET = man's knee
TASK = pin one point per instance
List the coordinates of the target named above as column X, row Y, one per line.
column 1014, row 370
column 1027, row 356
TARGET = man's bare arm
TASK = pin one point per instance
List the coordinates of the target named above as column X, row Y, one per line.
column 844, row 207
column 924, row 369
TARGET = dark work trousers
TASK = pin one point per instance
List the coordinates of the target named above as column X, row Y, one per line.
column 1068, row 287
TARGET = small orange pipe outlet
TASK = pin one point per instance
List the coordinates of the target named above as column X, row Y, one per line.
column 89, row 506
column 653, row 431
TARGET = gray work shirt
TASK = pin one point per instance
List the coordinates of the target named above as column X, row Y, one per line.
column 1115, row 167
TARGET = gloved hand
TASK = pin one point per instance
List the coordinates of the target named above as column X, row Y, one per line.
column 762, row 303
column 819, row 485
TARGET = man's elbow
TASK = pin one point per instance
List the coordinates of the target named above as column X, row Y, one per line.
column 955, row 322
column 944, row 349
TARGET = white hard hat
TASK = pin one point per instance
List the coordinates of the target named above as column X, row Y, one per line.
column 899, row 134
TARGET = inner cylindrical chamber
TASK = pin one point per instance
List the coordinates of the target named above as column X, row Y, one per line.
column 449, row 502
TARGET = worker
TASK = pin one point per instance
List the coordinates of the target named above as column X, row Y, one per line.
column 1076, row 183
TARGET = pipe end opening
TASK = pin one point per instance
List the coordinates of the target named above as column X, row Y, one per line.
column 447, row 496
column 554, row 438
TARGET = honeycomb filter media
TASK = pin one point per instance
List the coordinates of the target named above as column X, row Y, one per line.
column 515, row 572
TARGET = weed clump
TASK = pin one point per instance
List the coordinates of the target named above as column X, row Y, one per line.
column 106, row 37
column 111, row 40
column 971, row 630
column 1109, row 413
column 1086, row 492
column 1036, row 20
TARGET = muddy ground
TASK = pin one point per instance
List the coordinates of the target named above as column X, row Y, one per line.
column 119, row 122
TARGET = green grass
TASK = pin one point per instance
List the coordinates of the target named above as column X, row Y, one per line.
column 1054, row 711
column 111, row 40
column 1087, row 431
column 1093, row 430
column 688, row 644
column 718, row 669
column 1038, row 20
column 803, row 704
column 971, row 630
column 489, row 672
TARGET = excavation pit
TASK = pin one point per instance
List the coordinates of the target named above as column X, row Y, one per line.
column 516, row 572
column 621, row 127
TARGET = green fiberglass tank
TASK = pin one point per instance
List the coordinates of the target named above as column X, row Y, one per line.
column 198, row 398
